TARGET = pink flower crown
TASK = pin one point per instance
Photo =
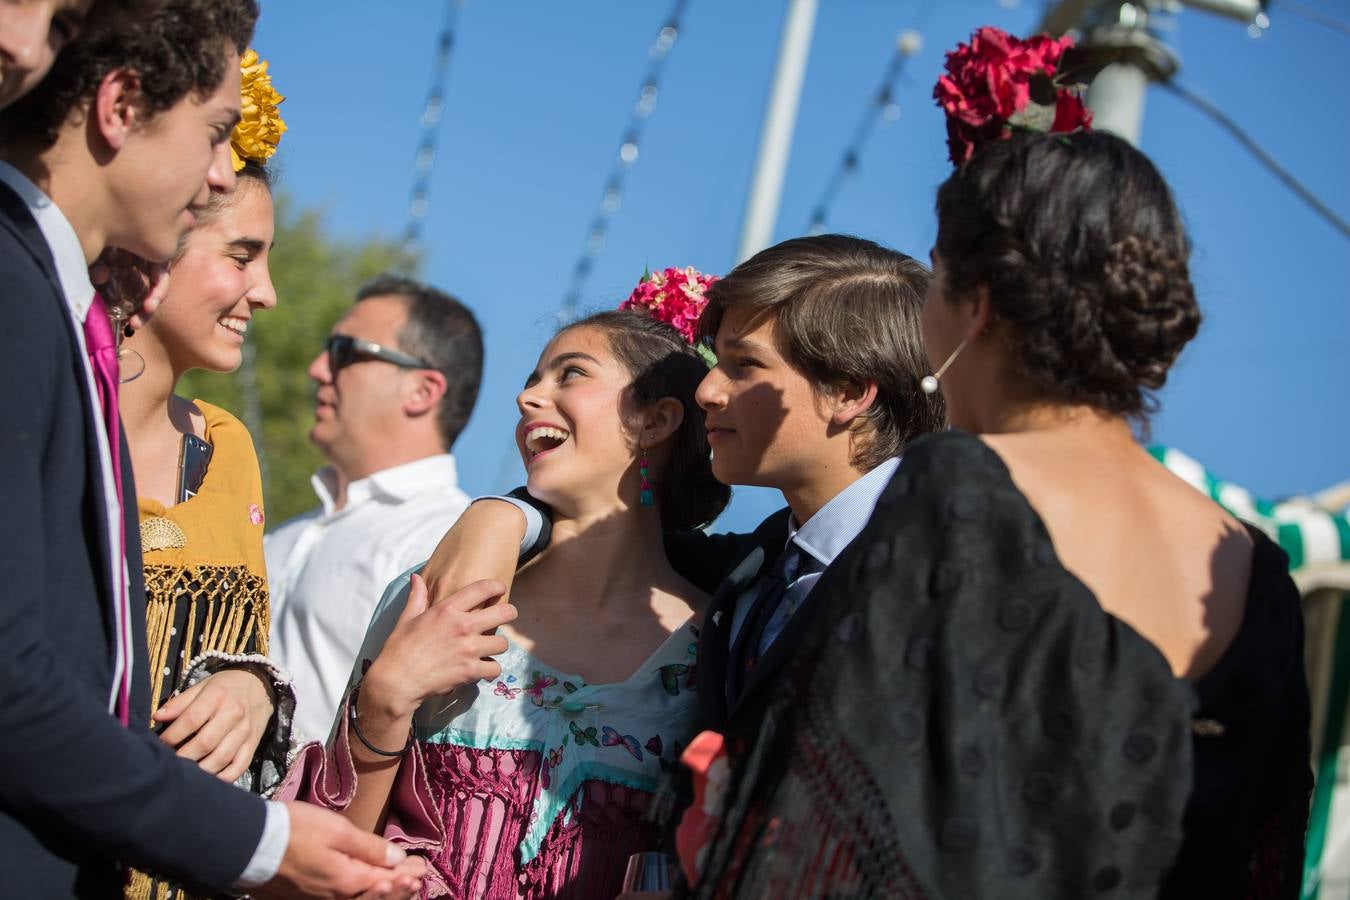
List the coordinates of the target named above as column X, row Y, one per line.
column 998, row 83
column 676, row 297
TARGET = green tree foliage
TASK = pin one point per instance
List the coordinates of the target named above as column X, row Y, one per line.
column 316, row 277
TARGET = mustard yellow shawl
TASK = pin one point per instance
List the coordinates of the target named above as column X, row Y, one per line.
column 205, row 579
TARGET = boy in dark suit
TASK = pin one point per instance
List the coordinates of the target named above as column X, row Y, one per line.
column 124, row 140
column 815, row 393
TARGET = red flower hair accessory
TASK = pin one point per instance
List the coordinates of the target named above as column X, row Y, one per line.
column 674, row 296
column 998, row 83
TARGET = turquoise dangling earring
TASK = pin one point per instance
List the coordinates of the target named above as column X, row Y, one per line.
column 645, row 498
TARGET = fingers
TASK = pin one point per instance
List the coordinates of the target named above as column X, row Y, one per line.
column 474, row 595
column 188, row 723
column 487, row 670
column 212, row 736
column 486, row 621
column 175, row 705
column 125, row 276
column 412, row 868
column 382, row 890
column 417, row 599
column 199, row 709
column 157, row 288
column 366, row 847
column 406, row 878
column 220, row 757
column 403, row 883
column 239, row 765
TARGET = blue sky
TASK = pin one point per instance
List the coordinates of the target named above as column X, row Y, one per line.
column 539, row 94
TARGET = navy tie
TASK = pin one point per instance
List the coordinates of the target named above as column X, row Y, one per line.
column 745, row 649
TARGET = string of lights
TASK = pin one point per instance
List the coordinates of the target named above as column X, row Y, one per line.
column 1271, row 164
column 612, row 195
column 419, row 201
column 881, row 107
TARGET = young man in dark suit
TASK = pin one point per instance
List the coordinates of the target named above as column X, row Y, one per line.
column 128, row 135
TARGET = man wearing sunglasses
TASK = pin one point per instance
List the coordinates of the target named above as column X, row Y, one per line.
column 396, row 382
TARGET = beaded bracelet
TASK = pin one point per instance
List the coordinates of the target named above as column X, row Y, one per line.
column 351, row 717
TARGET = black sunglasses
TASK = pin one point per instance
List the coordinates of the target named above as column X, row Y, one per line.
column 343, row 350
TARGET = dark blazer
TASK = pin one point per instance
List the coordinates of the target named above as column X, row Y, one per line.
column 739, row 561
column 78, row 792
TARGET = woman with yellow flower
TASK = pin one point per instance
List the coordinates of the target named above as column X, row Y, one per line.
column 216, row 696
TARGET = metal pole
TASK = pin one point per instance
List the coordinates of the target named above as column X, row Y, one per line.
column 775, row 140
column 1116, row 95
column 1116, row 98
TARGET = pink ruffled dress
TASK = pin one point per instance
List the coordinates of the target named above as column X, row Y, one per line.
column 534, row 786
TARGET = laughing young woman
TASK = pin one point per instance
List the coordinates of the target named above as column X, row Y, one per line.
column 544, row 759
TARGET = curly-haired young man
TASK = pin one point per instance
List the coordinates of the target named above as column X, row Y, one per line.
column 120, row 145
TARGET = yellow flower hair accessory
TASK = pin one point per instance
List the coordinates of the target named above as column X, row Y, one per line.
column 259, row 131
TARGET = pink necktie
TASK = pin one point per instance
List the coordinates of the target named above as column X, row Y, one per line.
column 98, row 337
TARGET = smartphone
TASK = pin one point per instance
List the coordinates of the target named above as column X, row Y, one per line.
column 192, row 463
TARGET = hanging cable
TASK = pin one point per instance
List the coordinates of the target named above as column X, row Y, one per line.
column 420, row 198
column 882, row 106
column 612, row 196
column 1313, row 15
column 1261, row 155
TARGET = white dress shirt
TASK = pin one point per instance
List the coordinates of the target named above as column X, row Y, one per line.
column 328, row 568
column 821, row 539
column 72, row 271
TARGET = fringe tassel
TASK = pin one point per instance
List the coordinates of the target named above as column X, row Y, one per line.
column 141, row 886
column 233, row 609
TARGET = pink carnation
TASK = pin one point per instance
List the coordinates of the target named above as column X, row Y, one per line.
column 674, row 296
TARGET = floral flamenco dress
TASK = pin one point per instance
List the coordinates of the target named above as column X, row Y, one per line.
column 535, row 785
column 206, row 600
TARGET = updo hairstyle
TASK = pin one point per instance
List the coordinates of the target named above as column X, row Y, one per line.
column 663, row 364
column 1083, row 253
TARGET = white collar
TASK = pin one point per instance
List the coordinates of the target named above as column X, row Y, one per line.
column 838, row 522
column 72, row 270
column 396, row 484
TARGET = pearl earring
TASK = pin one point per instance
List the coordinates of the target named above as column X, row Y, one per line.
column 929, row 384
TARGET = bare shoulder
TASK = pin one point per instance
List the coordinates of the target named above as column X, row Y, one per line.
column 1155, row 552
column 677, row 595
column 1188, row 518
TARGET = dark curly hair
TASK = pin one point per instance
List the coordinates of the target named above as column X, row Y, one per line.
column 175, row 45
column 663, row 364
column 1084, row 255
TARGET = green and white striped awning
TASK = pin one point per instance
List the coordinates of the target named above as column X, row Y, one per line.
column 1313, row 538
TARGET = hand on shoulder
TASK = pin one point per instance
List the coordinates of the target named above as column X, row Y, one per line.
column 435, row 649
